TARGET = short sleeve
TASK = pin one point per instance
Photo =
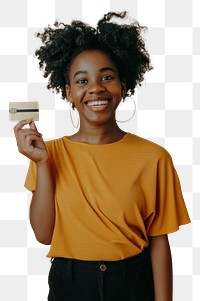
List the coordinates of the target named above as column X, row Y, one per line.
column 30, row 181
column 170, row 210
column 31, row 177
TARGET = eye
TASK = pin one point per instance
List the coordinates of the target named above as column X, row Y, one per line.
column 82, row 81
column 107, row 77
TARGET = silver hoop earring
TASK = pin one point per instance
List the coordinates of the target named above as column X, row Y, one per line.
column 133, row 111
column 70, row 113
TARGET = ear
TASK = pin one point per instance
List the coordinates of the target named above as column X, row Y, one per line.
column 123, row 89
column 68, row 93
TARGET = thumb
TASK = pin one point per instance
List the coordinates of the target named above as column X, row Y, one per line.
column 32, row 125
column 38, row 144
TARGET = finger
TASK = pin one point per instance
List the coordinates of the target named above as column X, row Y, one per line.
column 33, row 140
column 26, row 132
column 20, row 124
column 39, row 144
column 27, row 150
column 28, row 144
column 32, row 125
column 33, row 137
column 24, row 136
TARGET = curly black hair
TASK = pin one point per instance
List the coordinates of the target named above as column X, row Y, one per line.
column 122, row 43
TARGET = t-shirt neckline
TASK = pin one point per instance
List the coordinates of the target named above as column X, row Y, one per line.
column 96, row 145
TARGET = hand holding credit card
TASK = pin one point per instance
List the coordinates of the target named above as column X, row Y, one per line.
column 24, row 110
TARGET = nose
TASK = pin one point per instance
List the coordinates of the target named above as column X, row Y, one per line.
column 96, row 87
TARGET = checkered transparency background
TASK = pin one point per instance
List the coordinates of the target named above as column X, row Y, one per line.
column 168, row 113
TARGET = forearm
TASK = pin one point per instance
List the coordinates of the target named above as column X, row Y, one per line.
column 42, row 208
column 162, row 267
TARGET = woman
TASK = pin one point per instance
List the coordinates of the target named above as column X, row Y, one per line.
column 104, row 199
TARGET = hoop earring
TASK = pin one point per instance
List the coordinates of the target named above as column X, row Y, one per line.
column 70, row 113
column 132, row 114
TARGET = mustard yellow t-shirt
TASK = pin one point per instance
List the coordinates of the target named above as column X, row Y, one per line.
column 110, row 197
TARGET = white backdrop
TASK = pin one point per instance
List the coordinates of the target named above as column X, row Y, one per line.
column 168, row 113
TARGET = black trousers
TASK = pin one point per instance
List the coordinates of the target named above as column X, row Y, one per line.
column 125, row 280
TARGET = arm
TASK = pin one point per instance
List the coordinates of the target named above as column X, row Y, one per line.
column 42, row 208
column 162, row 267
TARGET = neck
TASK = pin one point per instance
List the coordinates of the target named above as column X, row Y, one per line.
column 99, row 134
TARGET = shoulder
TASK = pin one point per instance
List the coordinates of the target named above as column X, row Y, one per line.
column 55, row 144
column 147, row 148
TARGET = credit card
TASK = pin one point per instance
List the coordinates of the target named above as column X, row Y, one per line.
column 24, row 110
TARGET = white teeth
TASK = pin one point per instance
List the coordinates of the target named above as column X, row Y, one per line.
column 97, row 103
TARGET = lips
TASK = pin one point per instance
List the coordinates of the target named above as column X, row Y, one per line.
column 97, row 101
column 98, row 104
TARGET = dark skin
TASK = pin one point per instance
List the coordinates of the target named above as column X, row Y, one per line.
column 94, row 77
column 96, row 91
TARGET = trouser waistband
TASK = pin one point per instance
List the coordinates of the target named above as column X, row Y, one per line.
column 102, row 268
column 103, row 265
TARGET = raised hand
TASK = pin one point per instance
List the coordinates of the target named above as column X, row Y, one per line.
column 30, row 142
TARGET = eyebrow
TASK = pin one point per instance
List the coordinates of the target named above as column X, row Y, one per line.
column 100, row 70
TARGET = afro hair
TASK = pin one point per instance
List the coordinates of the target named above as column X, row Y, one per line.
column 123, row 43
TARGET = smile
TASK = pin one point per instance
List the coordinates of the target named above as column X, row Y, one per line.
column 97, row 103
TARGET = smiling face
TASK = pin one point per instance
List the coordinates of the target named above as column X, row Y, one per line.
column 95, row 88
